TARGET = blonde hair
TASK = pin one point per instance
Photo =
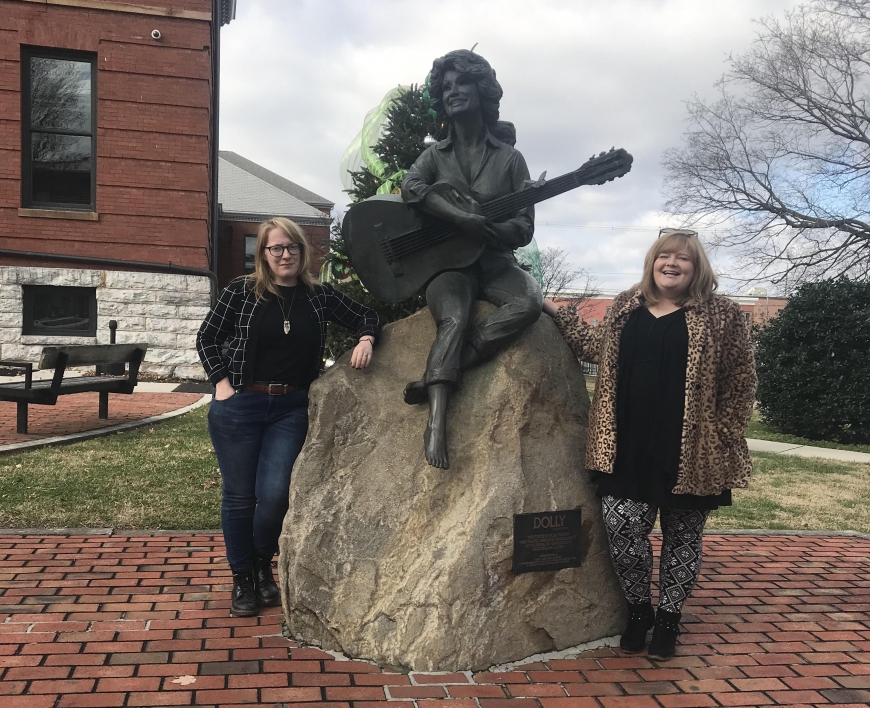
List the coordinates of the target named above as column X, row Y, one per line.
column 263, row 279
column 704, row 280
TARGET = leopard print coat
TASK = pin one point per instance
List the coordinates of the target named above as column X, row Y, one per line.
column 720, row 391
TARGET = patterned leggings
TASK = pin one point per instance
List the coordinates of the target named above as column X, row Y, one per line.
column 628, row 527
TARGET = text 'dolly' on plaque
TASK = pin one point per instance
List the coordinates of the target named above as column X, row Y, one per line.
column 548, row 540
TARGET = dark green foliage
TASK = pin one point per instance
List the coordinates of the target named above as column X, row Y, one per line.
column 338, row 339
column 814, row 363
column 409, row 121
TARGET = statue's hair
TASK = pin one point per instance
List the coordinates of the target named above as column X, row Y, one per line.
column 473, row 65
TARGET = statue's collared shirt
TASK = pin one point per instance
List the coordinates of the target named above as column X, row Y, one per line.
column 502, row 170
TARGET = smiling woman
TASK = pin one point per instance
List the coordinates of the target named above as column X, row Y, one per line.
column 675, row 390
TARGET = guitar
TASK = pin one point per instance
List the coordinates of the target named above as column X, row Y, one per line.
column 396, row 249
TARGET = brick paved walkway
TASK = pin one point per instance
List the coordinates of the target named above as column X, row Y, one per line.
column 142, row 621
column 77, row 413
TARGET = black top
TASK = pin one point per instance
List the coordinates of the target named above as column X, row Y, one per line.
column 234, row 320
column 650, row 400
column 286, row 358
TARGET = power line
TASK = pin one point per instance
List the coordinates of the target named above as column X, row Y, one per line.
column 605, row 227
column 564, row 225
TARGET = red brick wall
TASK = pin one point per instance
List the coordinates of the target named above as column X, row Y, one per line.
column 592, row 309
column 766, row 309
column 153, row 132
column 231, row 247
column 763, row 310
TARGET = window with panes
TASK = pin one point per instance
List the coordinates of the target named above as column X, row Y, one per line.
column 58, row 121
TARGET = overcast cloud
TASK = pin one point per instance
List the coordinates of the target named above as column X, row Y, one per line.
column 579, row 76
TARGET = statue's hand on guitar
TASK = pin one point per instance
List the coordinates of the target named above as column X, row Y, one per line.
column 468, row 215
column 457, row 199
column 396, row 250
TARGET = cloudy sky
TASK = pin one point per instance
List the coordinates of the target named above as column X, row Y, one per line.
column 579, row 76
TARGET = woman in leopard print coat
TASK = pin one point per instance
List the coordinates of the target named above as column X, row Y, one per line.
column 675, row 390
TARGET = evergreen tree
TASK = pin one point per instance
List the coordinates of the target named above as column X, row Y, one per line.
column 409, row 121
column 813, row 363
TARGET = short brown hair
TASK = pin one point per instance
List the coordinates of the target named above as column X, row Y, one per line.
column 704, row 281
column 262, row 279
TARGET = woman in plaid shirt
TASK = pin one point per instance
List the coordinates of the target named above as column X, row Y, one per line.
column 274, row 323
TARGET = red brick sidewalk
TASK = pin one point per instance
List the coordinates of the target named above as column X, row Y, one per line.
column 77, row 413
column 131, row 620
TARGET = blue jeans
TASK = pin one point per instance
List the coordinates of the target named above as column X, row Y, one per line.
column 257, row 438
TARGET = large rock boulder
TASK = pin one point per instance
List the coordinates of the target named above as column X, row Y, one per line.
column 388, row 559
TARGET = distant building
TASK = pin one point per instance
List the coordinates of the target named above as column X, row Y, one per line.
column 249, row 194
column 757, row 308
column 108, row 174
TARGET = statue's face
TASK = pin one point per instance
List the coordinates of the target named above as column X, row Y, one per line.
column 460, row 94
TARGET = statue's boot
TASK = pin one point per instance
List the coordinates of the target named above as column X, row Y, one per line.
column 415, row 392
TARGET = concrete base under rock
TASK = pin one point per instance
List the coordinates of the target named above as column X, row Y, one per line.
column 388, row 559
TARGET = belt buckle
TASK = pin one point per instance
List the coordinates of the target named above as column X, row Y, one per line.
column 280, row 391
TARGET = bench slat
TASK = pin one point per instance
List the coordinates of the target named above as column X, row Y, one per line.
column 90, row 354
column 41, row 391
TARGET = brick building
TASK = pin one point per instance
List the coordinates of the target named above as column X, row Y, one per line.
column 757, row 306
column 249, row 194
column 108, row 172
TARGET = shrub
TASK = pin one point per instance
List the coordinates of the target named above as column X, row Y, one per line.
column 814, row 363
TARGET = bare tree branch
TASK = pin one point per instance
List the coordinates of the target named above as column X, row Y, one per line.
column 779, row 163
column 557, row 273
column 562, row 280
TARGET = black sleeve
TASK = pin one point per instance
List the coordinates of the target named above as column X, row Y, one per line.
column 214, row 330
column 351, row 314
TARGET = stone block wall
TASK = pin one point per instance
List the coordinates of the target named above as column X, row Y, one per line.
column 162, row 310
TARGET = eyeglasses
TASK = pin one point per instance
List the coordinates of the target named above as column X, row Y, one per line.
column 293, row 249
column 673, row 232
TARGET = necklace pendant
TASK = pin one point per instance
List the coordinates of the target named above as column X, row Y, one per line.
column 286, row 327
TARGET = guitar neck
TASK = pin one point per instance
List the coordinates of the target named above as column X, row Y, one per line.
column 597, row 170
column 511, row 203
column 431, row 234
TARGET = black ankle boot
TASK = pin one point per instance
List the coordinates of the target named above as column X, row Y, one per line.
column 640, row 619
column 244, row 602
column 264, row 583
column 665, row 633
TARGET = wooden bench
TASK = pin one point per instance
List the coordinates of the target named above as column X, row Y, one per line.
column 45, row 392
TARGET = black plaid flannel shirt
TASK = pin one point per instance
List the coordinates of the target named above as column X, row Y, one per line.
column 235, row 313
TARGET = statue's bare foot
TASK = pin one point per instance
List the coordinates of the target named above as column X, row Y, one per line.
column 435, row 442
column 415, row 392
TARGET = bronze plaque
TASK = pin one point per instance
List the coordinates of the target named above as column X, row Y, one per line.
column 547, row 540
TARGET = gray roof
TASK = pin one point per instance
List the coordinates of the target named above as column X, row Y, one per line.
column 246, row 195
column 276, row 180
column 227, row 11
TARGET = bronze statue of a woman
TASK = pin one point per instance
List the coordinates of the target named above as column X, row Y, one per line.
column 450, row 180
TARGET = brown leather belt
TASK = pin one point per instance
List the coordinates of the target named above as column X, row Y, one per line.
column 273, row 389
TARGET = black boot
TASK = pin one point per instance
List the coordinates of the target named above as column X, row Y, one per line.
column 640, row 620
column 665, row 633
column 264, row 583
column 244, row 602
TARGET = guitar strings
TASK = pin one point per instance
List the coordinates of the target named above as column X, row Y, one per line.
column 408, row 243
column 414, row 240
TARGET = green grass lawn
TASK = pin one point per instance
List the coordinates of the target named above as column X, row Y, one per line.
column 788, row 492
column 165, row 476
